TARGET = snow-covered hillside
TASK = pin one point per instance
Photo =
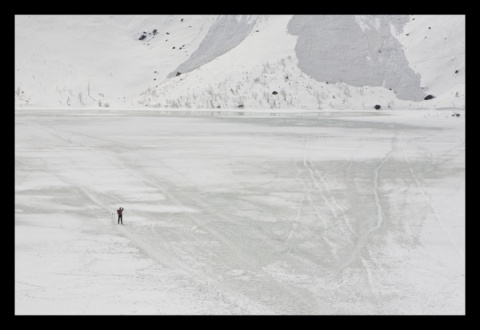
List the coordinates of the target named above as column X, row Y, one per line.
column 225, row 61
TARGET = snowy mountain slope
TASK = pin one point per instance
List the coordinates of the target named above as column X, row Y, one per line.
column 435, row 48
column 96, row 61
column 279, row 61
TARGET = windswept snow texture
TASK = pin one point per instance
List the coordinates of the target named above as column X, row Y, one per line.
column 357, row 50
column 315, row 213
column 225, row 34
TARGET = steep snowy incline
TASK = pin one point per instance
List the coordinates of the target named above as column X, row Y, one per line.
column 311, row 62
column 98, row 61
column 210, row 61
column 435, row 48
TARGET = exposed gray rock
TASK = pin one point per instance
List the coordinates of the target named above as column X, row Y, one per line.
column 225, row 34
column 358, row 51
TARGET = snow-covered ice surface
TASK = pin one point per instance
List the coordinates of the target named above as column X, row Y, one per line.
column 315, row 213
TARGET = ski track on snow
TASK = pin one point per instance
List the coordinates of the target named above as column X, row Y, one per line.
column 428, row 200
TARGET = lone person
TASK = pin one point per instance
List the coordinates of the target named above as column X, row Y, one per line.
column 120, row 218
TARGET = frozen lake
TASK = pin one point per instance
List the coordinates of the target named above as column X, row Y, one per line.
column 321, row 213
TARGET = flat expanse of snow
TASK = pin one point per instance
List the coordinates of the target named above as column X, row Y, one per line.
column 314, row 213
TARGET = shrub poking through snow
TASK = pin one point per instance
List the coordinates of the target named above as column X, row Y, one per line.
column 178, row 73
column 142, row 37
column 429, row 97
